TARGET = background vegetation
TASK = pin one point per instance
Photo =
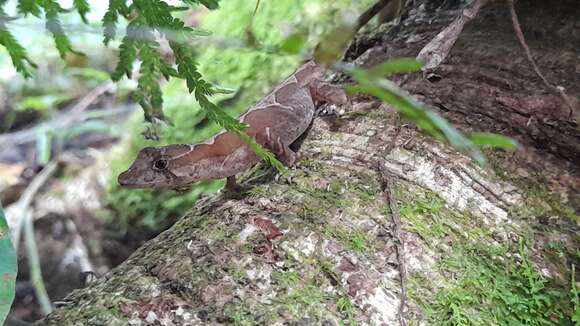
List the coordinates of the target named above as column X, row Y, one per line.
column 248, row 54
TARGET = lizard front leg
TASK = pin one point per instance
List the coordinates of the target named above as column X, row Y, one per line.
column 325, row 92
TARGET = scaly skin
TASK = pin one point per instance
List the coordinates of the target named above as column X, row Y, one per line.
column 274, row 122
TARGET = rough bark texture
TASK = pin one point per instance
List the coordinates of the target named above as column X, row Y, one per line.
column 318, row 247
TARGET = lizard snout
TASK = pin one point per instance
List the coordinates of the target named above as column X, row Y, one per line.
column 124, row 179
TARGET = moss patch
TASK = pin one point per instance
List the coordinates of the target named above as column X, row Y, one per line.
column 485, row 279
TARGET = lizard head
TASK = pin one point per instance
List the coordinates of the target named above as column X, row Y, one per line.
column 153, row 168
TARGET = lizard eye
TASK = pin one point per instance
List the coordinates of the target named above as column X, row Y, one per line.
column 160, row 164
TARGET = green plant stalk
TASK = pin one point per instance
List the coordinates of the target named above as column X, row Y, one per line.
column 8, row 268
column 34, row 266
column 575, row 298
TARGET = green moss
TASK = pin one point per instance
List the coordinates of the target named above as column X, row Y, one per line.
column 539, row 203
column 355, row 240
column 312, row 212
column 325, row 153
column 287, row 279
column 239, row 315
column 485, row 282
column 346, row 307
column 425, row 216
column 500, row 290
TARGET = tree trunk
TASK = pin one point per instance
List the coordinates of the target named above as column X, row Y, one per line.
column 323, row 244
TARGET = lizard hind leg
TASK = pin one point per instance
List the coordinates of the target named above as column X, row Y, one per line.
column 328, row 93
column 273, row 141
column 295, row 146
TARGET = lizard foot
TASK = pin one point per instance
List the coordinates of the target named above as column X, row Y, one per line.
column 233, row 190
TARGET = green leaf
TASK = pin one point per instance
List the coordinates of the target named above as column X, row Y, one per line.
column 396, row 66
column 294, row 43
column 51, row 12
column 410, row 109
column 127, row 53
column 17, row 53
column 8, row 268
column 26, row 7
column 83, row 8
column 111, row 17
column 209, row 4
column 41, row 103
column 89, row 73
column 43, row 146
column 493, row 140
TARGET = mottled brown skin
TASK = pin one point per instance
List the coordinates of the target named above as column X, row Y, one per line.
column 275, row 122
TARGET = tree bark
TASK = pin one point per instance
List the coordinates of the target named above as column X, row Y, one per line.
column 321, row 245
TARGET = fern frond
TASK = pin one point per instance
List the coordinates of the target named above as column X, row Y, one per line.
column 209, row 4
column 16, row 51
column 51, row 11
column 26, row 7
column 83, row 8
column 111, row 17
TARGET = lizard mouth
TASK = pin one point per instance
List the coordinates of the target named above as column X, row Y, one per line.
column 124, row 180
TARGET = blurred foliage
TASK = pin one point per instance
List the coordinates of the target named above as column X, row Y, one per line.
column 251, row 71
column 373, row 81
column 8, row 268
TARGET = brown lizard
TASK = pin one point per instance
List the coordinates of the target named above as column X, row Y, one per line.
column 275, row 122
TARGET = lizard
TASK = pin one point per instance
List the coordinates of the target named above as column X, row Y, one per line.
column 275, row 122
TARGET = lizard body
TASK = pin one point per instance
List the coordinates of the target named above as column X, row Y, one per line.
column 275, row 122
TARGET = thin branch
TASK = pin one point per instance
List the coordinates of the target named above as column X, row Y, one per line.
column 34, row 265
column 60, row 121
column 366, row 16
column 395, row 229
column 16, row 213
column 19, row 216
column 522, row 40
column 399, row 247
column 437, row 50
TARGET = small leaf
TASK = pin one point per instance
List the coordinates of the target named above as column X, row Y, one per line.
column 493, row 140
column 26, row 7
column 51, row 11
column 396, row 66
column 8, row 268
column 43, row 146
column 17, row 53
column 110, row 19
column 83, row 8
column 294, row 43
column 199, row 32
column 210, row 4
column 40, row 103
column 223, row 90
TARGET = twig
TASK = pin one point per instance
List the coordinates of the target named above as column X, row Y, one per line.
column 364, row 18
column 16, row 214
column 386, row 185
column 437, row 50
column 522, row 40
column 62, row 120
column 30, row 135
column 21, row 210
column 34, row 265
column 399, row 246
